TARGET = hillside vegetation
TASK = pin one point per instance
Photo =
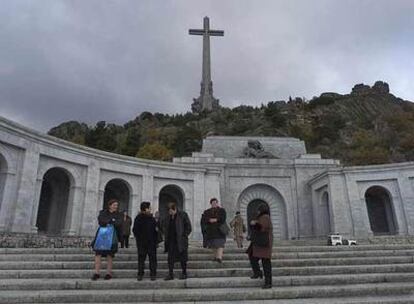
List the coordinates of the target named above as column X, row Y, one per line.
column 367, row 126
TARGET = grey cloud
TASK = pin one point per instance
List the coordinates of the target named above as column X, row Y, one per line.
column 110, row 60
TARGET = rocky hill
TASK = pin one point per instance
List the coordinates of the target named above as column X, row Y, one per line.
column 367, row 126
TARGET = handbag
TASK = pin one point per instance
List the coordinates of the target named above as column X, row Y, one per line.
column 260, row 238
column 224, row 228
column 105, row 239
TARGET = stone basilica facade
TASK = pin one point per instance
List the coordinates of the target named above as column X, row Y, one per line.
column 52, row 187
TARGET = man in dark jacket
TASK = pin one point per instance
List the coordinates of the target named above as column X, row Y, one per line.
column 145, row 232
column 176, row 228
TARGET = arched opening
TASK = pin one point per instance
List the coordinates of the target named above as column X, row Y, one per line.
column 252, row 209
column 117, row 189
column 380, row 211
column 53, row 203
column 255, row 195
column 324, row 218
column 170, row 193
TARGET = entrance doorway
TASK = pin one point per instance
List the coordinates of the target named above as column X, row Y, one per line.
column 380, row 211
column 53, row 202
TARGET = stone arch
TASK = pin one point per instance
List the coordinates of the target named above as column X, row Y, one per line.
column 380, row 210
column 3, row 175
column 262, row 193
column 324, row 215
column 54, row 201
column 170, row 193
column 120, row 190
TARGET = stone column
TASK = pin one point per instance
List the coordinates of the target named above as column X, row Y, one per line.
column 89, row 222
column 38, row 191
column 198, row 205
column 342, row 220
column 407, row 201
column 148, row 190
column 6, row 206
column 26, row 195
column 135, row 204
column 362, row 227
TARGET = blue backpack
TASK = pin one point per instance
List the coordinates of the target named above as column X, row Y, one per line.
column 105, row 239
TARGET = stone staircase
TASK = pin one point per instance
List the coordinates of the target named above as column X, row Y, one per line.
column 301, row 274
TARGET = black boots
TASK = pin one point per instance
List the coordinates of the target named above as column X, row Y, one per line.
column 267, row 286
column 257, row 275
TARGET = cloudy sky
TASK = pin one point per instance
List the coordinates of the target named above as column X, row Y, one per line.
column 92, row 60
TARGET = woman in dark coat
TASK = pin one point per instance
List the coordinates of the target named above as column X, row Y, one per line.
column 109, row 216
column 145, row 232
column 261, row 246
column 214, row 238
column 176, row 228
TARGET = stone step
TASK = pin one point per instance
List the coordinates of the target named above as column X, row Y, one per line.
column 8, row 265
column 197, row 294
column 123, row 256
column 204, row 273
column 383, row 299
column 214, row 282
column 199, row 249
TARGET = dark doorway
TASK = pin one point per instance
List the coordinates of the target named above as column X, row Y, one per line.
column 325, row 220
column 117, row 189
column 380, row 211
column 170, row 193
column 53, row 202
column 252, row 209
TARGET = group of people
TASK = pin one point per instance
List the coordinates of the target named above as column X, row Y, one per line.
column 174, row 229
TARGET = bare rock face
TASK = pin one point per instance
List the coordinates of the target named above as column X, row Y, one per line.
column 361, row 89
column 381, row 87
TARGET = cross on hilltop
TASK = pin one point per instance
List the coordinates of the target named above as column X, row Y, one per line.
column 206, row 100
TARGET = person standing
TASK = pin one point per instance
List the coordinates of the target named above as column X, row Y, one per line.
column 261, row 244
column 212, row 222
column 238, row 229
column 176, row 228
column 145, row 232
column 126, row 230
column 108, row 216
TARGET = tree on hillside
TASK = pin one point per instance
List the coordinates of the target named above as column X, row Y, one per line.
column 132, row 142
column 188, row 140
column 155, row 151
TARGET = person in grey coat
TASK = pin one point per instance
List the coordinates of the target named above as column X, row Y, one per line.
column 176, row 227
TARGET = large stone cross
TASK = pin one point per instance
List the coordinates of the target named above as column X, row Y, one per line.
column 206, row 100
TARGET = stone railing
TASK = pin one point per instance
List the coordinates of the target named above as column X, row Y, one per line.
column 21, row 240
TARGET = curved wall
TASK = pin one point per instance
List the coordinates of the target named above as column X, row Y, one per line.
column 298, row 186
column 26, row 156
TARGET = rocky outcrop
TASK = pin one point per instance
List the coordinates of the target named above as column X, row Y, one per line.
column 380, row 87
